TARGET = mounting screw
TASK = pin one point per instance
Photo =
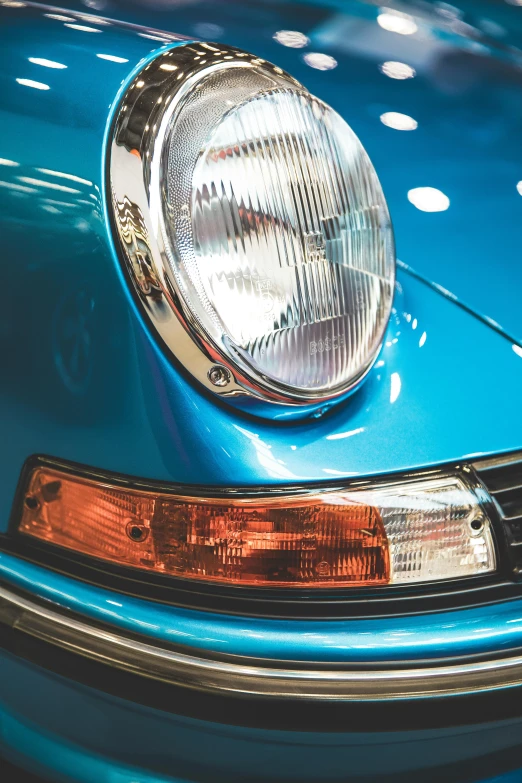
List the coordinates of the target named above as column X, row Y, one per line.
column 32, row 502
column 136, row 531
column 476, row 525
column 219, row 375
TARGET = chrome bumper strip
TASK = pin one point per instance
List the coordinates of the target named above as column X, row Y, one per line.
column 274, row 679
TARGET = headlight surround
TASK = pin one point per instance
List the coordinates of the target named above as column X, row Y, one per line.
column 254, row 227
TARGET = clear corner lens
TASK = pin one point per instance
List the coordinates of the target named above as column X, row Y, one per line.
column 276, row 230
column 436, row 529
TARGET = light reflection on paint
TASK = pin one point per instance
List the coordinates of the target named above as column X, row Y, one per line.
column 395, row 388
column 428, row 199
column 395, row 22
column 33, row 84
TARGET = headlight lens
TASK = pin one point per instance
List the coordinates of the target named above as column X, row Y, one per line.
column 275, row 233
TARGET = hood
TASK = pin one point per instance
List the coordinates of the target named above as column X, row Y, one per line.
column 465, row 98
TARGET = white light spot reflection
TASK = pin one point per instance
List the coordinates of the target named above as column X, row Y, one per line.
column 33, row 84
column 342, row 435
column 46, row 63
column 321, row 62
column 397, row 70
column 112, row 58
column 398, row 121
column 43, row 184
column 83, row 28
column 291, row 38
column 396, row 22
column 59, row 17
column 6, row 162
column 517, row 349
column 428, row 199
column 395, row 388
column 519, row 187
column 64, row 175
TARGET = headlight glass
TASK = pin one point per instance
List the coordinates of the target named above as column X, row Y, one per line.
column 279, row 233
column 275, row 238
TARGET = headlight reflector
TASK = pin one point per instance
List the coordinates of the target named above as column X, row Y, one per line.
column 275, row 240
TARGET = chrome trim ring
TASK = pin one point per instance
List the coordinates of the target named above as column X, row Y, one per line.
column 253, row 677
column 137, row 158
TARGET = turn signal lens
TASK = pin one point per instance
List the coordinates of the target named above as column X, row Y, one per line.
column 416, row 531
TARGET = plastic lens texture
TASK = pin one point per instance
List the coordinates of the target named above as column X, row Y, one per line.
column 413, row 532
column 277, row 231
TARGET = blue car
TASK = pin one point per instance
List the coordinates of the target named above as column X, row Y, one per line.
column 260, row 416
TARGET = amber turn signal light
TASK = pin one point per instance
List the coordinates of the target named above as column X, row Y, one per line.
column 309, row 540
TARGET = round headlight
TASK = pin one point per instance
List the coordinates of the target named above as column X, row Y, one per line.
column 256, row 223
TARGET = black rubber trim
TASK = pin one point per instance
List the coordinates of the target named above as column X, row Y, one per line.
column 392, row 600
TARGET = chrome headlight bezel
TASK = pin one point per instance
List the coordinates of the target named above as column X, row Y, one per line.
column 137, row 165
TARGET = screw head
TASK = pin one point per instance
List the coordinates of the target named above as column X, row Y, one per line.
column 136, row 531
column 31, row 502
column 219, row 375
column 476, row 525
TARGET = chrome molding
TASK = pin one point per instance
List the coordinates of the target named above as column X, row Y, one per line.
column 250, row 677
column 137, row 159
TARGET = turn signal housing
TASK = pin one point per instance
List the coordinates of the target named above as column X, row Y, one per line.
column 366, row 535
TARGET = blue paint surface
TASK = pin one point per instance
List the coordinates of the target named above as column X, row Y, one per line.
column 484, row 629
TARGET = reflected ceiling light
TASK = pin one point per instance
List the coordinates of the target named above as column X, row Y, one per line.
column 519, row 187
column 83, row 28
column 112, row 58
column 397, row 70
column 517, row 349
column 168, row 67
column 63, row 175
column 31, row 83
column 398, row 121
column 6, row 162
column 46, row 63
column 19, row 188
column 428, row 199
column 322, row 62
column 395, row 388
column 154, row 37
column 395, row 22
column 43, row 184
column 291, row 38
column 92, row 19
column 59, row 17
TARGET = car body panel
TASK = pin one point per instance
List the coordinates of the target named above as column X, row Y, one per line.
column 463, row 632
